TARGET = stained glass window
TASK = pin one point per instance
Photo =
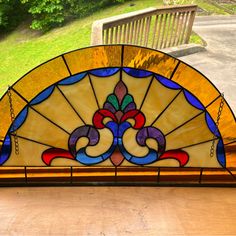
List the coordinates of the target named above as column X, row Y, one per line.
column 116, row 114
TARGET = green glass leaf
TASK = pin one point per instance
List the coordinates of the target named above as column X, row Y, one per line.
column 114, row 101
column 126, row 101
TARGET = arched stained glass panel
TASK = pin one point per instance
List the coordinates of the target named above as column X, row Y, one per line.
column 116, row 114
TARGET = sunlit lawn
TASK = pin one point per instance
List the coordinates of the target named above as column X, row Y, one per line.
column 24, row 49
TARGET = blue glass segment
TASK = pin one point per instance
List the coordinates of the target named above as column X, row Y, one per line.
column 149, row 158
column 211, row 125
column 6, row 150
column 42, row 96
column 221, row 153
column 123, row 127
column 137, row 73
column 104, row 72
column 72, row 79
column 193, row 100
column 113, row 127
column 83, row 158
column 19, row 120
column 167, row 82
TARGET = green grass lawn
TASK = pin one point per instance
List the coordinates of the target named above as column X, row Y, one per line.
column 24, row 49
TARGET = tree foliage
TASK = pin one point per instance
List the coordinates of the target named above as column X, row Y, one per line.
column 11, row 13
column 47, row 14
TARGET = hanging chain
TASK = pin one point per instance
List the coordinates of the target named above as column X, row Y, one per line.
column 222, row 102
column 13, row 117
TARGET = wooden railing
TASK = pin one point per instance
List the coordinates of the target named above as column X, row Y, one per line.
column 155, row 28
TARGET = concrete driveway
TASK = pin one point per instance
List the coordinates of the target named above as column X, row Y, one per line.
column 218, row 62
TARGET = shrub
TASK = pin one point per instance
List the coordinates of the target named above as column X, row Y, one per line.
column 12, row 12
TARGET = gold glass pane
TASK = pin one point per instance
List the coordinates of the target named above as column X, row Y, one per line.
column 178, row 112
column 57, row 109
column 193, row 132
column 5, row 122
column 82, row 98
column 227, row 123
column 196, row 83
column 38, row 79
column 29, row 154
column 134, row 85
column 104, row 84
column 38, row 128
column 157, row 99
column 95, row 57
column 148, row 59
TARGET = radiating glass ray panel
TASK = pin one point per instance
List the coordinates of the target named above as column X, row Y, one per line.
column 37, row 128
column 38, row 79
column 157, row 99
column 200, row 156
column 176, row 114
column 91, row 58
column 193, row 132
column 165, row 163
column 147, row 59
column 65, row 162
column 5, row 116
column 57, row 109
column 137, row 87
column 104, row 84
column 82, row 98
column 29, row 154
column 196, row 83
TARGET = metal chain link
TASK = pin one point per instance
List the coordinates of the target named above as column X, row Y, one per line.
column 222, row 102
column 13, row 117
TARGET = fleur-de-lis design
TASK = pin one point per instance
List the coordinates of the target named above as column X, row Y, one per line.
column 119, row 113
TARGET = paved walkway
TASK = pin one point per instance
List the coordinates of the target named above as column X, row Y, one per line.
column 218, row 63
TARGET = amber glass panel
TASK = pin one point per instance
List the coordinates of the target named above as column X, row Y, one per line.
column 230, row 151
column 193, row 132
column 136, row 87
column 29, row 153
column 147, row 59
column 95, row 174
column 39, row 129
column 155, row 102
column 196, row 83
column 95, row 57
column 179, row 175
column 18, row 104
column 84, row 101
column 48, row 174
column 227, row 123
column 37, row 80
column 12, row 175
column 216, row 176
column 137, row 174
column 104, row 84
column 178, row 112
column 57, row 109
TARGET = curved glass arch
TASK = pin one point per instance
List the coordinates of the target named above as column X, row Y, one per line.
column 126, row 108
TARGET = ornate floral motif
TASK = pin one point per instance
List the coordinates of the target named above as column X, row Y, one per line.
column 118, row 114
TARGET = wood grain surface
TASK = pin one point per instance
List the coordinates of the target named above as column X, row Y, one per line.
column 117, row 211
